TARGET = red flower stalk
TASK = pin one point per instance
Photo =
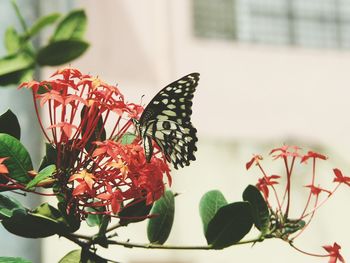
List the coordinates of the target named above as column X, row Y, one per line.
column 95, row 168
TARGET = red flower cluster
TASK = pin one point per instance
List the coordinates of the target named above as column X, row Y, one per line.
column 282, row 227
column 122, row 173
column 93, row 169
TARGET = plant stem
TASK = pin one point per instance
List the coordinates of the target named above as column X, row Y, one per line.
column 78, row 236
column 111, row 228
column 104, row 225
column 76, row 240
column 288, row 186
column 158, row 246
column 307, row 253
column 20, row 17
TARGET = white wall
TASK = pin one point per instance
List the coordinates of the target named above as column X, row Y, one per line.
column 250, row 99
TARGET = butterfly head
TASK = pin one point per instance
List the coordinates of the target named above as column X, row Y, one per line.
column 135, row 122
column 138, row 127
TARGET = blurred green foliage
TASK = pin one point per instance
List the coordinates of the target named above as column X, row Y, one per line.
column 64, row 45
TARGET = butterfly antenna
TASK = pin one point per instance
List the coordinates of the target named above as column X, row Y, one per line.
column 142, row 98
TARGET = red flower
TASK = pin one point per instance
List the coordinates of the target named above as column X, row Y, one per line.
column 340, row 178
column 265, row 182
column 284, row 152
column 313, row 155
column 33, row 85
column 105, row 147
column 255, row 159
column 53, row 96
column 86, row 181
column 66, row 127
column 334, row 254
column 317, row 190
column 3, row 168
column 113, row 198
column 67, row 73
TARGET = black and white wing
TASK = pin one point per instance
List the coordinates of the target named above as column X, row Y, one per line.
column 167, row 121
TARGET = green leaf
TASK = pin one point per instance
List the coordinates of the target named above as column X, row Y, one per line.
column 26, row 75
column 41, row 23
column 9, row 124
column 94, row 219
column 50, row 157
column 260, row 211
column 12, row 40
column 73, row 26
column 48, row 212
column 51, row 153
column 17, row 77
column 230, row 224
column 72, row 221
column 13, row 260
column 71, row 257
column 19, row 161
column 209, row 205
column 44, row 221
column 42, row 175
column 15, row 62
column 78, row 255
column 133, row 212
column 8, row 205
column 61, row 52
column 159, row 227
column 128, row 138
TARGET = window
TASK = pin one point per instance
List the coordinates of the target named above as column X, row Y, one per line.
column 312, row 23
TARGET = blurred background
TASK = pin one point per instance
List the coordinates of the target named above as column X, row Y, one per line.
column 272, row 72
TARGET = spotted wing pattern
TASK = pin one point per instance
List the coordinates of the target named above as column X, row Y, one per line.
column 167, row 121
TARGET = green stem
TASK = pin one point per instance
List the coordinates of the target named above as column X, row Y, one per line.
column 89, row 241
column 20, row 17
column 172, row 247
column 104, row 225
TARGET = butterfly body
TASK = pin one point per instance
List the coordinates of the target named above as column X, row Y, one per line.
column 166, row 120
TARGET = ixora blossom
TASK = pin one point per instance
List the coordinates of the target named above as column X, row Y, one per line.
column 98, row 168
column 334, row 253
column 281, row 224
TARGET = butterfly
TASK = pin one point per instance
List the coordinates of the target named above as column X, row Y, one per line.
column 166, row 120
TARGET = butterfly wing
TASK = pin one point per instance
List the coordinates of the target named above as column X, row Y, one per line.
column 167, row 120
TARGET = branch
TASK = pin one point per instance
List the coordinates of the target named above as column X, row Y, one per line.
column 158, row 246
